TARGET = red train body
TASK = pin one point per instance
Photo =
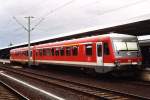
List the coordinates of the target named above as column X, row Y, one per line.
column 103, row 53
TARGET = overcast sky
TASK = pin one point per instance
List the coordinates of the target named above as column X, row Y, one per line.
column 62, row 16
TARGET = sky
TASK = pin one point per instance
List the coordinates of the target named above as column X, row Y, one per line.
column 62, row 16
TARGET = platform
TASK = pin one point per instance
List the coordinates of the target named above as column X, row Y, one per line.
column 6, row 94
column 5, row 61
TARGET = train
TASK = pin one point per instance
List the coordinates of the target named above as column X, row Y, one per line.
column 101, row 53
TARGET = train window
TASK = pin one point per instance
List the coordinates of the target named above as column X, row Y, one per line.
column 18, row 53
column 88, row 49
column 75, row 50
column 26, row 53
column 36, row 53
column 52, row 51
column 68, row 52
column 44, row 52
column 57, row 51
column 48, row 53
column 106, row 49
column 99, row 50
column 40, row 52
column 21, row 53
column 62, row 51
column 30, row 53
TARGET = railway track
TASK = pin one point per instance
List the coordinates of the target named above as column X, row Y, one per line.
column 97, row 92
column 136, row 82
column 7, row 93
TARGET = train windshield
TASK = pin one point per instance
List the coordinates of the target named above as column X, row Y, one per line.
column 125, row 46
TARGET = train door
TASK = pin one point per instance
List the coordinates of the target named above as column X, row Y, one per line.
column 99, row 52
column 34, row 55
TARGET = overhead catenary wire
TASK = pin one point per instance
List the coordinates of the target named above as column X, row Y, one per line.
column 10, row 21
column 66, row 4
column 52, row 11
column 18, row 29
column 133, row 3
column 20, row 23
column 124, row 6
column 70, row 2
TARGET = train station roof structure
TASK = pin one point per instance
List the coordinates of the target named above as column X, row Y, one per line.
column 137, row 26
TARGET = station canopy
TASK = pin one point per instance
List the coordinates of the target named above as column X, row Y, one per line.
column 137, row 26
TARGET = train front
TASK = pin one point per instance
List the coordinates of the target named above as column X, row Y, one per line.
column 127, row 53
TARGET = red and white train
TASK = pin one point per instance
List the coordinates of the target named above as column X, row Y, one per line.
column 103, row 53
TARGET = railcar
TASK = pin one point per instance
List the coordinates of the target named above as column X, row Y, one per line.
column 103, row 53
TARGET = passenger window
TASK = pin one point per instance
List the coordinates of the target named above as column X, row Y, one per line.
column 48, row 53
column 40, row 52
column 30, row 53
column 52, row 51
column 62, row 51
column 26, row 53
column 36, row 53
column 75, row 50
column 57, row 52
column 68, row 52
column 19, row 53
column 44, row 52
column 99, row 50
column 88, row 49
column 106, row 49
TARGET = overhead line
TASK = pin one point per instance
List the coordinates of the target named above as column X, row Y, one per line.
column 20, row 23
column 127, row 5
column 52, row 11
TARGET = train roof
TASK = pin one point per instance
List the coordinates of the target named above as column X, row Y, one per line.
column 117, row 35
column 20, row 49
column 112, row 35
